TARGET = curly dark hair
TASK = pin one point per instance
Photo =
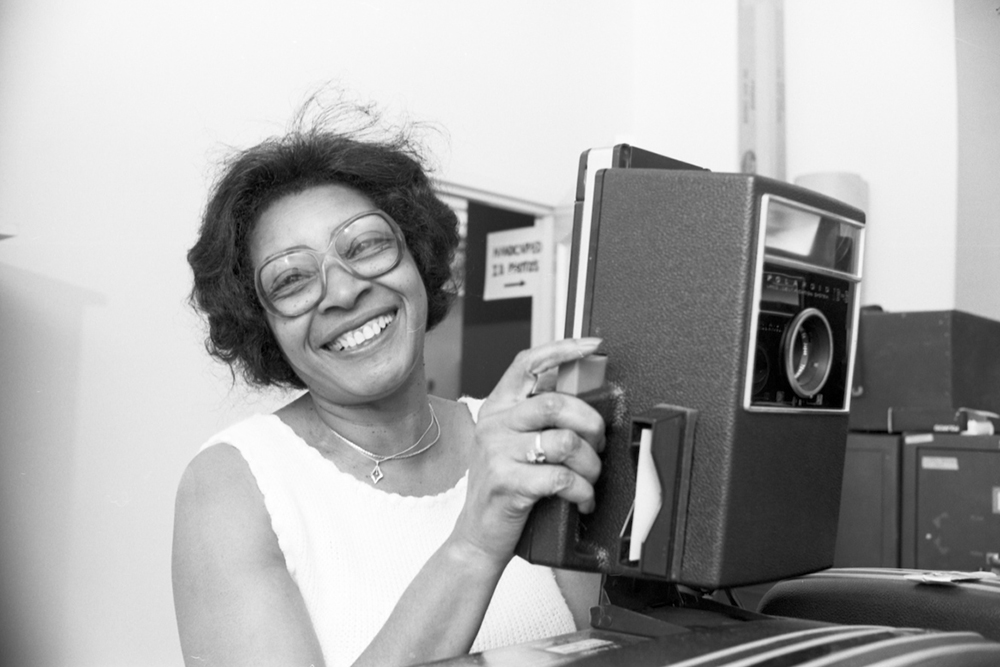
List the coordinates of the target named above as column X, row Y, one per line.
column 389, row 171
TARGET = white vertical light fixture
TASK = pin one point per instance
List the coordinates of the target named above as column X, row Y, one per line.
column 761, row 80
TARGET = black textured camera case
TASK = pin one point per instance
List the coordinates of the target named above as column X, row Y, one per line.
column 756, row 496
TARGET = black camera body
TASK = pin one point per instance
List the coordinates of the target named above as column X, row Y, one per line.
column 728, row 305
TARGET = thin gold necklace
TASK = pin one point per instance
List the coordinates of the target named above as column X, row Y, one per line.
column 376, row 474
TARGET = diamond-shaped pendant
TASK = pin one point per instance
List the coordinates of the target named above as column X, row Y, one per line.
column 376, row 474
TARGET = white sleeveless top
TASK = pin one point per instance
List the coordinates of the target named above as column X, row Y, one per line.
column 352, row 549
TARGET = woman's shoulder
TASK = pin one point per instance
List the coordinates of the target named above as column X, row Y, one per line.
column 217, row 475
column 219, row 478
column 218, row 504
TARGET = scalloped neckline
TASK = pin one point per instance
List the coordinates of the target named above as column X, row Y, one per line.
column 459, row 486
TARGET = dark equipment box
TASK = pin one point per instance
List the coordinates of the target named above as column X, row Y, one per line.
column 935, row 360
column 920, row 500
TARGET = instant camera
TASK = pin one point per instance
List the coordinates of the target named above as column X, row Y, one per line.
column 728, row 305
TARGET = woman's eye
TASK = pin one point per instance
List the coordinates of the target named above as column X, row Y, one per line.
column 366, row 246
column 289, row 283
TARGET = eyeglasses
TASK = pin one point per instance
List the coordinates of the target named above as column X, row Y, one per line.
column 292, row 282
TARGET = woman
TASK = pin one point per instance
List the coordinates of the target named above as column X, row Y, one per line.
column 365, row 522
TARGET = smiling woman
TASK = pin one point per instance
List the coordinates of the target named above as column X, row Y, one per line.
column 365, row 522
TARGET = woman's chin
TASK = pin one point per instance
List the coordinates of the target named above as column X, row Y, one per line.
column 371, row 383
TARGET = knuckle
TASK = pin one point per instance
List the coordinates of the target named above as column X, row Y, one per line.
column 520, row 507
column 520, row 504
column 505, row 491
column 552, row 404
column 566, row 442
column 560, row 479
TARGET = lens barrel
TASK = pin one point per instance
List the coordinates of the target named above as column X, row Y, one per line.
column 807, row 352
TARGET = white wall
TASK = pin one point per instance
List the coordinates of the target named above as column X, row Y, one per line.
column 112, row 113
column 871, row 90
column 977, row 42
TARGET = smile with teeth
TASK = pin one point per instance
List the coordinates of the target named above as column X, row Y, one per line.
column 365, row 332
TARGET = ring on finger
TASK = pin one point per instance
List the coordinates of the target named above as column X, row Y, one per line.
column 536, row 454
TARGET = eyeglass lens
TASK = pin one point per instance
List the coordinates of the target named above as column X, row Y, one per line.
column 294, row 282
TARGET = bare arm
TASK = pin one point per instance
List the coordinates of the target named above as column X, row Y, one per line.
column 236, row 604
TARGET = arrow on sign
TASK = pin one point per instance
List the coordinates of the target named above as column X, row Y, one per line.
column 520, row 284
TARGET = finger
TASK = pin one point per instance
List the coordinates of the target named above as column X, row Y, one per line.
column 581, row 493
column 519, row 378
column 553, row 410
column 562, row 446
column 557, row 480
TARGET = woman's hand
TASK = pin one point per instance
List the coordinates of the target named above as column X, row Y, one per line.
column 527, row 448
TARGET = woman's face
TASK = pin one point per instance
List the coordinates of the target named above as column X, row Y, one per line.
column 365, row 338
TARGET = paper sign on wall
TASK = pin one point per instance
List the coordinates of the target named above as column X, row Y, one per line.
column 517, row 261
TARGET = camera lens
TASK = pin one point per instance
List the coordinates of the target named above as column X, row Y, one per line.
column 807, row 351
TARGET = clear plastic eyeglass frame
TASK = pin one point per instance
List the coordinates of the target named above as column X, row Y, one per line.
column 304, row 270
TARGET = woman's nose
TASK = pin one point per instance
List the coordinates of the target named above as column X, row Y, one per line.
column 342, row 287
